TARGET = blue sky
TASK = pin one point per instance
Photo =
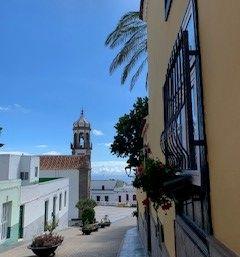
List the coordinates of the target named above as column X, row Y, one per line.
column 53, row 63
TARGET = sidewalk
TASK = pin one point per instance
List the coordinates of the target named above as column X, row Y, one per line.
column 131, row 246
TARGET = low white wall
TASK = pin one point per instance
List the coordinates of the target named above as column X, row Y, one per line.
column 73, row 176
column 33, row 198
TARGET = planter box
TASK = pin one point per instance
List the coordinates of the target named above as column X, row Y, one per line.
column 44, row 251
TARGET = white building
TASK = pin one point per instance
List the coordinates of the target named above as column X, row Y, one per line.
column 39, row 198
column 76, row 167
column 113, row 192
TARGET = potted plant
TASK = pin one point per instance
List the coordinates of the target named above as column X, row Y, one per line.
column 46, row 244
column 95, row 227
column 106, row 221
column 102, row 224
column 87, row 228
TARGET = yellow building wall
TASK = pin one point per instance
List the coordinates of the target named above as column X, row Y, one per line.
column 161, row 38
column 219, row 23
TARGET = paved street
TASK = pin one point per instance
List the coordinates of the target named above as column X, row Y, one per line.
column 114, row 213
column 104, row 243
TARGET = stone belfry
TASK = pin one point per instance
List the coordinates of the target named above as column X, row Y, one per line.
column 81, row 137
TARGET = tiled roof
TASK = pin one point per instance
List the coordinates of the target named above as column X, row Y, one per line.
column 63, row 162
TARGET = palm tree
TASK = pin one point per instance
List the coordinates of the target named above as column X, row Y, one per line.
column 131, row 34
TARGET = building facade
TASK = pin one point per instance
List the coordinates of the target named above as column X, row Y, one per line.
column 75, row 167
column 29, row 202
column 113, row 193
column 193, row 123
column 9, row 210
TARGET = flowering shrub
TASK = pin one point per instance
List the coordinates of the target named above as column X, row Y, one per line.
column 152, row 178
column 47, row 240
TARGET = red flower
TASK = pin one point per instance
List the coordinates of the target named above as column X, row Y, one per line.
column 145, row 202
column 139, row 170
column 166, row 206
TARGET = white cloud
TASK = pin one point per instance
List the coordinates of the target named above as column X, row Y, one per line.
column 4, row 109
column 108, row 144
column 14, row 108
column 109, row 167
column 97, row 132
column 51, row 153
column 41, row 146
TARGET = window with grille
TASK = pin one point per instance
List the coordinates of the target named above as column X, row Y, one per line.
column 183, row 139
column 177, row 140
column 167, row 7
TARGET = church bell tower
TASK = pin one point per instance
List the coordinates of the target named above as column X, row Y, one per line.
column 81, row 137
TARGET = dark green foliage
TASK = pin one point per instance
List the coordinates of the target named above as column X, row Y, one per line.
column 152, row 180
column 88, row 216
column 131, row 34
column 86, row 203
column 128, row 141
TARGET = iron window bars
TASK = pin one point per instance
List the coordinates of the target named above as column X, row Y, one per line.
column 177, row 140
column 167, row 7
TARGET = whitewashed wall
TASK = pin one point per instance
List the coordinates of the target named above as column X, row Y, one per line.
column 33, row 198
column 73, row 176
column 113, row 196
column 12, row 165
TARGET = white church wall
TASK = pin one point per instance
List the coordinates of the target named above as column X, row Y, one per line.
column 116, row 197
column 73, row 176
column 33, row 199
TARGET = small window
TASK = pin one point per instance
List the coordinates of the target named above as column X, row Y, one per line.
column 103, row 187
column 119, row 199
column 167, row 7
column 60, row 202
column 65, row 198
column 98, row 198
column 127, row 197
column 36, row 171
column 24, row 175
column 106, row 198
column 134, row 198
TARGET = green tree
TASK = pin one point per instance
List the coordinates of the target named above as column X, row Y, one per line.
column 128, row 141
column 85, row 203
column 88, row 216
column 131, row 34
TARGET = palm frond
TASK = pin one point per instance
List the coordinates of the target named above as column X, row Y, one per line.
column 135, row 58
column 137, row 74
column 131, row 33
column 128, row 50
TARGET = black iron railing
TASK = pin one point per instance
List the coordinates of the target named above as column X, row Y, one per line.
column 177, row 140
